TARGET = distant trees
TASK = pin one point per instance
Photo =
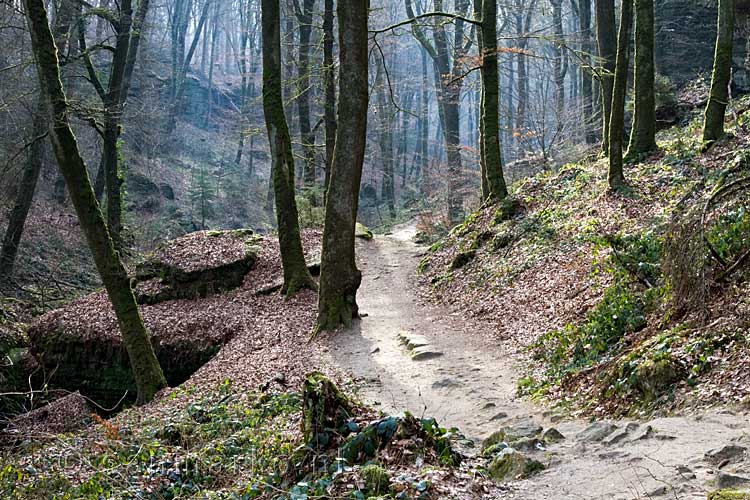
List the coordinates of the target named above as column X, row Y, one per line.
column 718, row 99
column 296, row 274
column 448, row 58
column 339, row 276
column 147, row 373
column 35, row 156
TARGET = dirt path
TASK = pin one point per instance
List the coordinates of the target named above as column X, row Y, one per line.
column 471, row 385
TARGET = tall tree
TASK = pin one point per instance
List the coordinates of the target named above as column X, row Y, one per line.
column 304, row 14
column 329, row 84
column 587, row 85
column 128, row 31
column 148, row 375
column 560, row 64
column 605, row 36
column 643, row 133
column 718, row 99
column 493, row 180
column 339, row 276
column 619, row 93
column 296, row 274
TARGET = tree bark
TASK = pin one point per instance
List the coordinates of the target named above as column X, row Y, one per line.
column 296, row 274
column 339, row 276
column 643, row 133
column 605, row 35
column 492, row 161
column 619, row 93
column 329, row 82
column 587, row 80
column 307, row 135
column 148, row 375
column 718, row 99
column 385, row 136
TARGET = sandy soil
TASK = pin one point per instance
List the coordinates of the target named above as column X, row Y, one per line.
column 471, row 385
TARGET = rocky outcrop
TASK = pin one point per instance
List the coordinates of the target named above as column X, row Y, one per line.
column 196, row 265
column 685, row 36
column 81, row 345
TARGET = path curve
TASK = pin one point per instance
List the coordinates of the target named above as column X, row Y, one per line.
column 472, row 384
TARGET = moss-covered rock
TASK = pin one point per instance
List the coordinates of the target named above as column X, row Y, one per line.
column 510, row 464
column 362, row 231
column 377, row 479
column 196, row 265
column 462, row 259
column 325, row 411
column 654, row 377
column 729, row 495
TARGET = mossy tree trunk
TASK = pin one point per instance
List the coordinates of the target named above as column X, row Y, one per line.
column 146, row 370
column 643, row 133
column 329, row 83
column 713, row 124
column 493, row 180
column 339, row 276
column 605, row 36
column 296, row 274
column 619, row 93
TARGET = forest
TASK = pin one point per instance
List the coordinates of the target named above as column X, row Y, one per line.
column 374, row 249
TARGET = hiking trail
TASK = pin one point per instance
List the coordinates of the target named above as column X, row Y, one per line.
column 467, row 382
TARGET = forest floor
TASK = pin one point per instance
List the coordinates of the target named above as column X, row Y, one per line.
column 469, row 382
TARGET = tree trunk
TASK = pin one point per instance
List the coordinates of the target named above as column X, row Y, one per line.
column 560, row 66
column 619, row 93
column 339, row 276
column 25, row 194
column 296, row 274
column 146, row 370
column 305, row 19
column 211, row 62
column 713, row 124
column 605, row 35
column 643, row 133
column 492, row 162
column 587, row 80
column 329, row 82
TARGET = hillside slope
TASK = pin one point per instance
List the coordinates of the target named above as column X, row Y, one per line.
column 620, row 302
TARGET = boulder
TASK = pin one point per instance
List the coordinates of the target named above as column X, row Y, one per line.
column 363, row 232
column 510, row 464
column 725, row 454
column 727, row 480
column 654, row 377
column 80, row 344
column 196, row 265
column 596, row 431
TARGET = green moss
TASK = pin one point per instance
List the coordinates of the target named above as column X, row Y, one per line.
column 362, row 231
column 376, row 478
column 729, row 495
